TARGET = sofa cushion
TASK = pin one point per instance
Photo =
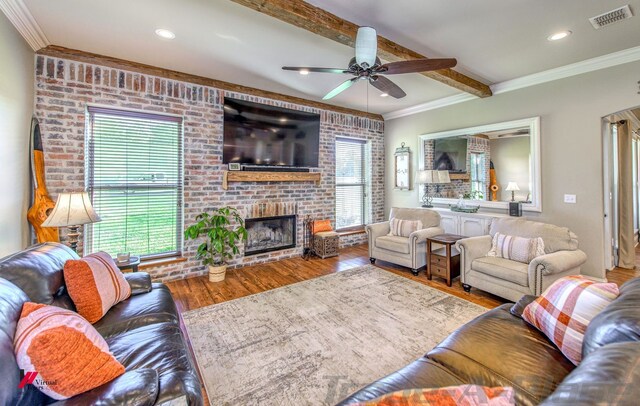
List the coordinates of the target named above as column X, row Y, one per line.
column 160, row 347
column 499, row 349
column 608, row 376
column 37, row 270
column 11, row 301
column 555, row 238
column 618, row 322
column 156, row 306
column 64, row 350
column 429, row 218
column 502, row 268
column 422, row 373
column 515, row 248
column 393, row 243
column 449, row 395
column 95, row 284
column 403, row 228
column 138, row 387
column 566, row 308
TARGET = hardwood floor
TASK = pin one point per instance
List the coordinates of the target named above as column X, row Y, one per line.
column 198, row 292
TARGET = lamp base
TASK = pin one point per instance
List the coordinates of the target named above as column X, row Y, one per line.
column 73, row 235
column 427, row 206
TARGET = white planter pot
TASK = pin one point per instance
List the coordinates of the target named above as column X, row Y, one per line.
column 217, row 273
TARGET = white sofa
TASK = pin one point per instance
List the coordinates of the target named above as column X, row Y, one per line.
column 409, row 252
column 511, row 279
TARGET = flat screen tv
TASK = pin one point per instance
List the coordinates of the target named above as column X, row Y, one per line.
column 258, row 134
column 450, row 154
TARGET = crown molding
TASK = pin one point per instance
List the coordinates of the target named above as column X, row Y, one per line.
column 20, row 16
column 431, row 105
column 574, row 69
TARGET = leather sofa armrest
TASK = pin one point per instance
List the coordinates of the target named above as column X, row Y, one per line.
column 470, row 249
column 138, row 387
column 140, row 282
column 420, row 236
column 376, row 230
column 557, row 262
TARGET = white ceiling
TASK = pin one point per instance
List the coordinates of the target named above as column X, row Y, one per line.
column 493, row 40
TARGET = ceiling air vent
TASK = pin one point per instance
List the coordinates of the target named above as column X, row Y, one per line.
column 611, row 17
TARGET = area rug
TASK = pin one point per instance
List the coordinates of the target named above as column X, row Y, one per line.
column 316, row 342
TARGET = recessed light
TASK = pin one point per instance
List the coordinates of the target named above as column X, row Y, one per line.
column 304, row 71
column 283, row 119
column 166, row 34
column 559, row 35
column 384, row 95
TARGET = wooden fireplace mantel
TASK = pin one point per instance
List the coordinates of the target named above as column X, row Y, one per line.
column 242, row 176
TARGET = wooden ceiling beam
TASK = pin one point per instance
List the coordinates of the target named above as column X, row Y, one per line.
column 325, row 24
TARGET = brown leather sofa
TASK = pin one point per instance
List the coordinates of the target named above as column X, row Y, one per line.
column 143, row 333
column 500, row 349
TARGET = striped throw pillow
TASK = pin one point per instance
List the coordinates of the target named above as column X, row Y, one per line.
column 404, row 228
column 565, row 309
column 66, row 352
column 518, row 249
column 450, row 395
column 95, row 284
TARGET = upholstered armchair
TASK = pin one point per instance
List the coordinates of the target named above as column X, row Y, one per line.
column 406, row 251
column 510, row 279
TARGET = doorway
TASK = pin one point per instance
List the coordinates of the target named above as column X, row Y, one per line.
column 621, row 165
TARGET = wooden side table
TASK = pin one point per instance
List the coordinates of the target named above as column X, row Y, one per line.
column 443, row 262
column 132, row 263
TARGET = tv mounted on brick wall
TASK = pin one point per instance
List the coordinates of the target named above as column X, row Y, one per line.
column 450, row 154
column 263, row 135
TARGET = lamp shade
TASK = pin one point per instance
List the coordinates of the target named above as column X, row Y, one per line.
column 443, row 177
column 426, row 176
column 366, row 46
column 512, row 186
column 71, row 209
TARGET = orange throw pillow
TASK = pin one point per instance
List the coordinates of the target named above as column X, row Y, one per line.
column 319, row 226
column 95, row 284
column 66, row 352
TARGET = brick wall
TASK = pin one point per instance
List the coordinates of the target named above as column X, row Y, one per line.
column 65, row 87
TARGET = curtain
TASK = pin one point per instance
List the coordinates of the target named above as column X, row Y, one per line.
column 626, row 243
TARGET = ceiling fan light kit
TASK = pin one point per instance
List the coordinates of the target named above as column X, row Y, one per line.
column 367, row 66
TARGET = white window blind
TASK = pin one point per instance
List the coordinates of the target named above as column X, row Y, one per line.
column 134, row 177
column 350, row 183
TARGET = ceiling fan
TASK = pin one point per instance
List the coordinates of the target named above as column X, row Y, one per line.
column 367, row 66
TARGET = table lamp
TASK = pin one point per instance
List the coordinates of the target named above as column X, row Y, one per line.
column 427, row 177
column 443, row 178
column 512, row 187
column 72, row 210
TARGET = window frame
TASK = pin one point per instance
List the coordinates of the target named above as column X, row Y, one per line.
column 481, row 178
column 114, row 111
column 364, row 182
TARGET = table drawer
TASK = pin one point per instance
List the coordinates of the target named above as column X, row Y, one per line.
column 440, row 271
column 438, row 260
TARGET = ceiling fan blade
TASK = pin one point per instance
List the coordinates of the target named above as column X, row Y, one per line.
column 320, row 70
column 417, row 65
column 386, row 86
column 343, row 86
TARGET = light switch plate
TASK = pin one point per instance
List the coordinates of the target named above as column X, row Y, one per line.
column 569, row 198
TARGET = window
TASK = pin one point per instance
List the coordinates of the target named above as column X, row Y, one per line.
column 478, row 175
column 134, row 177
column 350, row 183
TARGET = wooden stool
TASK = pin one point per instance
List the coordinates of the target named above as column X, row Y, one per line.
column 326, row 244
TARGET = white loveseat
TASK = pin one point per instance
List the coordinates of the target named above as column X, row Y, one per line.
column 406, row 251
column 510, row 279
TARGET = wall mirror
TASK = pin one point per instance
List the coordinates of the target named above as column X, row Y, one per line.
column 489, row 164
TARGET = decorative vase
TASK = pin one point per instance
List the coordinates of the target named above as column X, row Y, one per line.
column 217, row 273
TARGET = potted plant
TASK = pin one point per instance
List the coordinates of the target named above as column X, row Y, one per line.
column 221, row 239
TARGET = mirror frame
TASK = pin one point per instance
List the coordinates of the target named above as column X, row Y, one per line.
column 535, row 177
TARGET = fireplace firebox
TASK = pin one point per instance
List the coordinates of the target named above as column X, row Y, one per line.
column 265, row 234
